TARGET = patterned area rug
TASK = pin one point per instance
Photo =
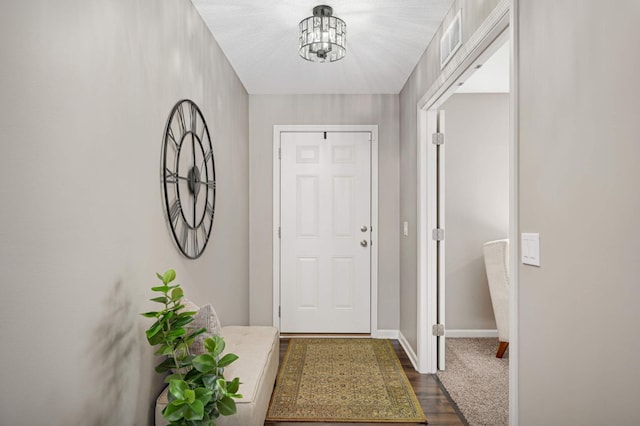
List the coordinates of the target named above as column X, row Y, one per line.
column 343, row 380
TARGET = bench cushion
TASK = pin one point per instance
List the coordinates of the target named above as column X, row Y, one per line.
column 258, row 351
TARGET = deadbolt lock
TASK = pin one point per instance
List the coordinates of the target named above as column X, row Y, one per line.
column 364, row 228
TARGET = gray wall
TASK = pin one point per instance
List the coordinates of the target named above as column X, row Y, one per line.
column 474, row 12
column 268, row 110
column 476, row 200
column 86, row 90
column 579, row 174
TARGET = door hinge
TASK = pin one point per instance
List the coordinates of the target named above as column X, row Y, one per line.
column 438, row 330
column 279, row 311
column 279, row 232
column 279, row 153
column 437, row 138
column 438, row 234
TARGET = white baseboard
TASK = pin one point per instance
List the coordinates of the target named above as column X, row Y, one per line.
column 385, row 334
column 471, row 333
column 409, row 350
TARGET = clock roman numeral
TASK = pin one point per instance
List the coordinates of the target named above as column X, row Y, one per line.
column 194, row 242
column 204, row 126
column 174, row 144
column 170, row 177
column 203, row 228
column 174, row 211
column 194, row 118
column 210, row 210
column 181, row 120
column 185, row 237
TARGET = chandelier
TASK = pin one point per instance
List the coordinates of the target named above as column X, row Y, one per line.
column 323, row 36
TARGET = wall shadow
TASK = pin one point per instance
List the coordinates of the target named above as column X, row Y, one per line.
column 113, row 365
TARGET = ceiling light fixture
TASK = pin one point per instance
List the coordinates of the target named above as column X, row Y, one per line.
column 323, row 36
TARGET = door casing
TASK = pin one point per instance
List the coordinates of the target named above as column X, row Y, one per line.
column 373, row 129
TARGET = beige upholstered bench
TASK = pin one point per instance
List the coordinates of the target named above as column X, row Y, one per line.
column 258, row 349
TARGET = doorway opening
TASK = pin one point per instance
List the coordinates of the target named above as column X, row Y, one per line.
column 473, row 207
column 432, row 259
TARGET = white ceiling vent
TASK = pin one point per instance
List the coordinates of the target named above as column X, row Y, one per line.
column 451, row 40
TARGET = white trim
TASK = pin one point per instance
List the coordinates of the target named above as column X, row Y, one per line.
column 409, row 350
column 386, row 334
column 476, row 49
column 275, row 236
column 373, row 129
column 514, row 223
column 470, row 51
column 454, row 334
column 427, row 290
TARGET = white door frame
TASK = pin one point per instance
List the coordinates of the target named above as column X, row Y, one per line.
column 373, row 129
column 500, row 24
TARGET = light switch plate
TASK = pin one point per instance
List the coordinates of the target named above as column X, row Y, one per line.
column 530, row 247
column 405, row 227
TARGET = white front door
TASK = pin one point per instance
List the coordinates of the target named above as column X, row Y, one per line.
column 325, row 221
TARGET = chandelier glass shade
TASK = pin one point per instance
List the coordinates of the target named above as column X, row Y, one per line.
column 323, row 36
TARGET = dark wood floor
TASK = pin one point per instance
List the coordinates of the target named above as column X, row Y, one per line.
column 434, row 401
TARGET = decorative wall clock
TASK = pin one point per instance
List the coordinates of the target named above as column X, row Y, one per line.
column 188, row 178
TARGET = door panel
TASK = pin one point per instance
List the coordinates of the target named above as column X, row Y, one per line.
column 325, row 278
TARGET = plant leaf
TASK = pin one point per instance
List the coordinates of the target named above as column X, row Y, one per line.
column 156, row 340
column 233, row 386
column 194, row 411
column 166, row 365
column 204, row 363
column 174, row 334
column 177, row 388
column 197, row 333
column 173, row 412
column 227, row 359
column 209, row 381
column 154, row 329
column 162, row 288
column 226, row 406
column 190, row 396
column 177, row 294
column 160, row 299
column 203, row 395
column 168, row 276
column 214, row 345
column 171, row 377
column 182, row 321
column 164, row 350
column 150, row 314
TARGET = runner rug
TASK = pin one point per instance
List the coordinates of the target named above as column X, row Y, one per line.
column 343, row 380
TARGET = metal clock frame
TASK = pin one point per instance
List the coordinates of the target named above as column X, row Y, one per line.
column 188, row 241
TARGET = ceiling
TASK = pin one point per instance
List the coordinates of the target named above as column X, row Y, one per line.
column 385, row 40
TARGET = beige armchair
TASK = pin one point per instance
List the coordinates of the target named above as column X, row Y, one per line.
column 496, row 262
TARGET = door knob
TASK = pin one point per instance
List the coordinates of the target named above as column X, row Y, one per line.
column 364, row 228
column 364, row 243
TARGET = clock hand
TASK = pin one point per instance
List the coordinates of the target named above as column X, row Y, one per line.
column 195, row 178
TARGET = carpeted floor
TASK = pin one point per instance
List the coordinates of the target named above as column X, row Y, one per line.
column 343, row 380
column 477, row 381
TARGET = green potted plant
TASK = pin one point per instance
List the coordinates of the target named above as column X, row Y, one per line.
column 198, row 392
